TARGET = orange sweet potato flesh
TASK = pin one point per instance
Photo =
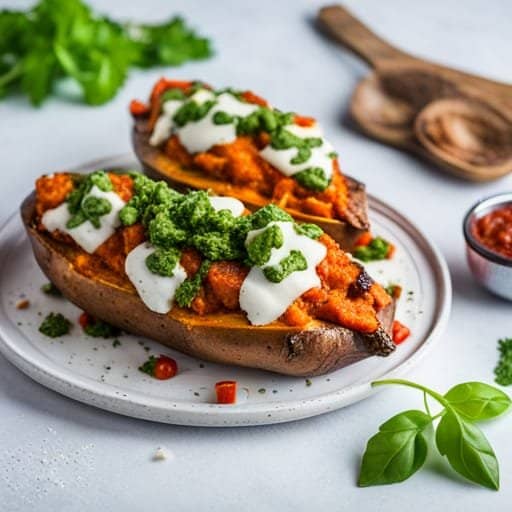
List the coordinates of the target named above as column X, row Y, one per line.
column 223, row 337
column 221, row 288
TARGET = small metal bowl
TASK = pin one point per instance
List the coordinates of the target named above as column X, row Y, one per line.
column 489, row 268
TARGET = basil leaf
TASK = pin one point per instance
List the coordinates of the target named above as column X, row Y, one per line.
column 397, row 451
column 477, row 401
column 467, row 450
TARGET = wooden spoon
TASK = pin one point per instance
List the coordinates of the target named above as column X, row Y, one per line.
column 387, row 102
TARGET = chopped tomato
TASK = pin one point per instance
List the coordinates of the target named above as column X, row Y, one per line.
column 84, row 320
column 138, row 108
column 304, row 121
column 164, row 84
column 250, row 97
column 391, row 251
column 226, row 391
column 364, row 239
column 400, row 332
column 165, row 368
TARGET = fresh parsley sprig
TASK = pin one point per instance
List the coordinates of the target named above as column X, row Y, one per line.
column 400, row 447
column 58, row 39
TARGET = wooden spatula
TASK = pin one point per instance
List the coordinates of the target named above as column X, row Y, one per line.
column 460, row 121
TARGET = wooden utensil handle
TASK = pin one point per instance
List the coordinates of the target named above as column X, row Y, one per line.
column 350, row 32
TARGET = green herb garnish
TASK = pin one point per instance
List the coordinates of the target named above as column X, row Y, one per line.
column 503, row 370
column 309, row 230
column 163, row 261
column 100, row 329
column 187, row 290
column 376, row 250
column 55, row 325
column 400, row 447
column 59, row 39
column 51, row 289
column 82, row 206
column 294, row 262
column 313, row 178
column 149, row 366
column 260, row 247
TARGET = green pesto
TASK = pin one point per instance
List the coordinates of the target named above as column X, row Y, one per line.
column 191, row 111
column 163, row 261
column 187, row 290
column 83, row 207
column 173, row 94
column 260, row 247
column 263, row 119
column 149, row 366
column 55, row 325
column 51, row 289
column 100, row 329
column 175, row 221
column 309, row 230
column 313, row 178
column 376, row 250
column 295, row 261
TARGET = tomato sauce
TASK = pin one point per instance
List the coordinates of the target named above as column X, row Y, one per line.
column 494, row 231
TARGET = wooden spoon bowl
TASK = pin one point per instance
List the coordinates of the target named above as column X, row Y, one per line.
column 468, row 135
column 387, row 104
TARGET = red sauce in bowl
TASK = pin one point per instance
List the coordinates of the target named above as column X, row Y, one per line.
column 494, row 231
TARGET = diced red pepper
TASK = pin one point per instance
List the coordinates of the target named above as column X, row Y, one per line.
column 164, row 84
column 250, row 97
column 364, row 239
column 304, row 121
column 400, row 332
column 138, row 108
column 84, row 320
column 226, row 392
column 165, row 368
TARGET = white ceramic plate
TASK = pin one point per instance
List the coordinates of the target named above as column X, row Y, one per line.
column 95, row 372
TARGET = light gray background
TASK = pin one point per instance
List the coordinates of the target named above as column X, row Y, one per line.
column 56, row 454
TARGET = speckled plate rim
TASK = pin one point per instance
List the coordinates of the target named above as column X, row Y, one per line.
column 140, row 405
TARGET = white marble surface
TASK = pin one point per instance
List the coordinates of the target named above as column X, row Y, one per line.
column 56, row 454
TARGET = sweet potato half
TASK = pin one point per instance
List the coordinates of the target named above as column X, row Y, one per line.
column 223, row 338
column 158, row 165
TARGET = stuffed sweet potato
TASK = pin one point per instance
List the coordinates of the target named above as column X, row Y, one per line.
column 202, row 275
column 234, row 143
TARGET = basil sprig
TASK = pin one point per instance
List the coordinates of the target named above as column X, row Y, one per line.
column 400, row 447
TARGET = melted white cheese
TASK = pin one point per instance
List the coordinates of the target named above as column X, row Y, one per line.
column 264, row 301
column 164, row 124
column 157, row 292
column 235, row 206
column 86, row 235
column 203, row 134
column 281, row 158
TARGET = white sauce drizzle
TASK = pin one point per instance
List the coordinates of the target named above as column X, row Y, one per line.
column 235, row 206
column 157, row 292
column 264, row 301
column 86, row 235
column 201, row 135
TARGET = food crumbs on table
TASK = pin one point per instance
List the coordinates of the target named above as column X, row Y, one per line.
column 116, row 343
column 262, row 391
column 503, row 370
column 23, row 304
column 159, row 455
column 308, row 382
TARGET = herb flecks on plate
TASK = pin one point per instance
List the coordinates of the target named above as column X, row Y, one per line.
column 59, row 39
column 55, row 325
column 400, row 447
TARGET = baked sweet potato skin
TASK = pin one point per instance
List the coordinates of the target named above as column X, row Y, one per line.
column 222, row 338
column 158, row 165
